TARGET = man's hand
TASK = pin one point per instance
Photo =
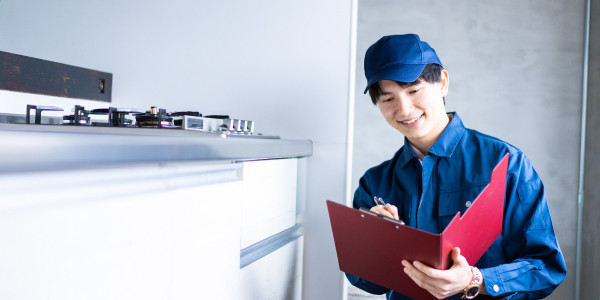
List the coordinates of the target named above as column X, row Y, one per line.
column 386, row 210
column 441, row 283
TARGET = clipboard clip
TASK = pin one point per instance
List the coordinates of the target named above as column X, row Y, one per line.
column 366, row 210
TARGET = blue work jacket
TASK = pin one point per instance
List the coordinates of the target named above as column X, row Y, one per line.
column 525, row 262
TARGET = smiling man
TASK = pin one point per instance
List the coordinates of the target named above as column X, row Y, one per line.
column 441, row 168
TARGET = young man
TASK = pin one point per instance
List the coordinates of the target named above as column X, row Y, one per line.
column 439, row 170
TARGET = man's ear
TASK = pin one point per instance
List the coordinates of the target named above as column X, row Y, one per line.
column 444, row 82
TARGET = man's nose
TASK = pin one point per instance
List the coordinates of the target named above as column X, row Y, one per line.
column 404, row 107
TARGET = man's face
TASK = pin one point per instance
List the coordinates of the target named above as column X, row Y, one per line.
column 417, row 111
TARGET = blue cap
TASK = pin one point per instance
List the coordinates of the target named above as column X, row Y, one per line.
column 398, row 57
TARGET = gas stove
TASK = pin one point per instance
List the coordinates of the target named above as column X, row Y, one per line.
column 156, row 118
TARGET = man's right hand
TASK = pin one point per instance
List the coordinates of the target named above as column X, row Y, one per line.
column 386, row 210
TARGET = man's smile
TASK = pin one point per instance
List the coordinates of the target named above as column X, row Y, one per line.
column 411, row 121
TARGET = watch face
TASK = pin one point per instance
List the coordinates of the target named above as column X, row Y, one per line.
column 472, row 291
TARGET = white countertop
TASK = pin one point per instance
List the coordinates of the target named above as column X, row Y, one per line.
column 27, row 147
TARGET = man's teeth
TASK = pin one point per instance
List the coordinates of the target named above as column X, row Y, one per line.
column 411, row 120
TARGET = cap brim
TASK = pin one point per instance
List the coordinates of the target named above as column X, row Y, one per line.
column 403, row 73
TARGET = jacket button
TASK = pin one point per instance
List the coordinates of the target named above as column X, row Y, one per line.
column 496, row 288
column 468, row 203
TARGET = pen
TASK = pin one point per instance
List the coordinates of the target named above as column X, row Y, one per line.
column 379, row 201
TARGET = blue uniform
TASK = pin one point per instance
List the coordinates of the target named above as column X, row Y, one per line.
column 525, row 262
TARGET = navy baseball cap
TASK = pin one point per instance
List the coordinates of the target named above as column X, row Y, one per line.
column 398, row 57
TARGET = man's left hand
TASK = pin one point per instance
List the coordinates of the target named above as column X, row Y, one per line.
column 441, row 283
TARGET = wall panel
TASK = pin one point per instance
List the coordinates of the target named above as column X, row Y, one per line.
column 590, row 260
column 283, row 64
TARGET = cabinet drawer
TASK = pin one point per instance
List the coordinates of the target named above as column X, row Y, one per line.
column 268, row 198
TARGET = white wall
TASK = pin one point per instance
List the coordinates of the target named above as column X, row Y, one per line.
column 515, row 73
column 283, row 64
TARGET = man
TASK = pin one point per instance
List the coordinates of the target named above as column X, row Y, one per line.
column 439, row 170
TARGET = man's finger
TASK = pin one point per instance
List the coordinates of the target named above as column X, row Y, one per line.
column 457, row 258
column 421, row 279
column 413, row 273
column 393, row 210
column 380, row 209
column 425, row 269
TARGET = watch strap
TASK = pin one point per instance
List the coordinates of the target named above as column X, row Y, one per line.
column 472, row 290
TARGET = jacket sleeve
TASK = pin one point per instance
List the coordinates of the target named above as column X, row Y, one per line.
column 535, row 262
column 366, row 286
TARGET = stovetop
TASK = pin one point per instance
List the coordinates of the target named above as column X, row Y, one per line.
column 113, row 120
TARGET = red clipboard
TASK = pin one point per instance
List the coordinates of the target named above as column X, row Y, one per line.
column 358, row 237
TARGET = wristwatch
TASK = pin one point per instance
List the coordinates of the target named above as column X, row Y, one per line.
column 472, row 290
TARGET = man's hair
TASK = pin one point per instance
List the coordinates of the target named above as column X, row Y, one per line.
column 432, row 74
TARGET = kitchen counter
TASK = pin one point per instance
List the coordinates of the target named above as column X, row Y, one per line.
column 29, row 147
column 139, row 210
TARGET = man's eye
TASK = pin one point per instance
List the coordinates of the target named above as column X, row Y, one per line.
column 414, row 91
column 385, row 100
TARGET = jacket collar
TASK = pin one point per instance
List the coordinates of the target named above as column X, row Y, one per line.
column 445, row 144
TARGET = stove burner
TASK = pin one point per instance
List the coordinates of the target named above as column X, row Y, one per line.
column 116, row 116
column 38, row 112
column 155, row 118
column 79, row 117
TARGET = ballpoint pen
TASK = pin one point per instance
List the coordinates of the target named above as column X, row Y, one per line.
column 379, row 201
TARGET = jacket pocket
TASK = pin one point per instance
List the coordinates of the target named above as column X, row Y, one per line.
column 455, row 201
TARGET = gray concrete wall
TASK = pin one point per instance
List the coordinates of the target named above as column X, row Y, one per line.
column 515, row 73
column 590, row 262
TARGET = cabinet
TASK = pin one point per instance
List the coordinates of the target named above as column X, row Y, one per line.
column 172, row 230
